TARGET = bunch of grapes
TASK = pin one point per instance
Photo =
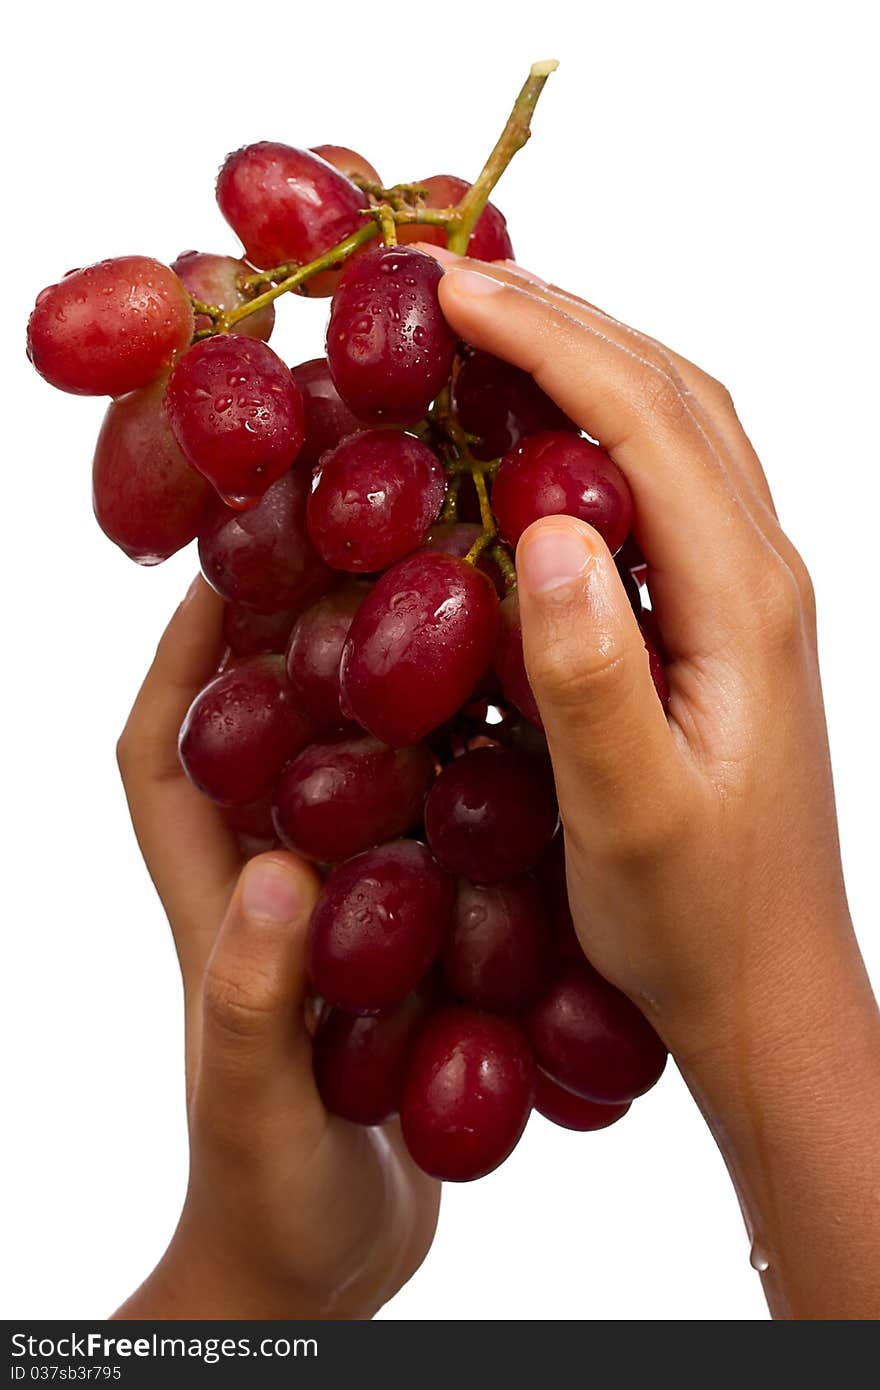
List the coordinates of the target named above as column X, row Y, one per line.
column 358, row 513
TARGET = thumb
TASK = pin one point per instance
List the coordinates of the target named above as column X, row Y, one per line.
column 612, row 752
column 255, row 1046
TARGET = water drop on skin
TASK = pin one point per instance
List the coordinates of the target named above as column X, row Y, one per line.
column 758, row 1258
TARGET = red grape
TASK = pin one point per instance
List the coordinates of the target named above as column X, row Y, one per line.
column 389, row 347
column 263, row 557
column 217, row 280
column 251, row 634
column 630, row 557
column 286, row 204
column 489, row 241
column 498, row 953
column 491, row 813
column 457, row 538
column 552, row 876
column 467, row 1094
column 253, row 819
column 656, row 655
column 373, row 500
column 237, row 414
column 111, row 327
column 377, row 926
column 499, row 405
column 328, row 418
column 631, row 588
column 589, row 1038
column 418, row 645
column 348, row 162
column 314, row 652
column 360, row 1063
column 557, row 473
column 509, row 662
column 348, row 793
column 240, row 730
column 146, row 497
column 571, row 1111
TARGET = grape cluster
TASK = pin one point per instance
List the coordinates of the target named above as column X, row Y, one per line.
column 358, row 513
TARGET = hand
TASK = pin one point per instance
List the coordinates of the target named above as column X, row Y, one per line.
column 702, row 851
column 290, row 1212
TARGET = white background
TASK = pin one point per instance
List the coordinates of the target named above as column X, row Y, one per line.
column 705, row 171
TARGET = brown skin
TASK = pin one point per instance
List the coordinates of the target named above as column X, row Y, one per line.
column 703, row 861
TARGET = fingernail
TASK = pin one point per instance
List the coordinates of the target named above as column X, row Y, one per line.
column 472, row 282
column 551, row 557
column 270, row 891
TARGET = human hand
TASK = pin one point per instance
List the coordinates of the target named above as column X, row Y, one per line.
column 290, row 1212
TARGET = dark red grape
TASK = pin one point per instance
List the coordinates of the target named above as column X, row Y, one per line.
column 348, row 162
column 263, row 557
column 360, row 1063
column 389, row 347
column 457, row 538
column 489, row 241
column 252, row 634
column 286, row 204
column 240, row 730
column 146, row 497
column 498, row 953
column 253, row 819
column 349, row 792
column 552, row 877
column 237, row 414
column 571, row 1111
column 630, row 557
column 467, row 1094
column 491, row 813
column 418, row 645
column 499, row 405
column 589, row 1038
column 328, row 418
column 217, row 280
column 557, row 473
column 111, row 327
column 509, row 662
column 373, row 500
column 314, row 652
column 656, row 655
column 631, row 588
column 377, row 926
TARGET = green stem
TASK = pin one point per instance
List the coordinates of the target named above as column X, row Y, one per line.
column 488, row 521
column 514, row 135
column 506, row 566
column 450, row 506
column 327, row 261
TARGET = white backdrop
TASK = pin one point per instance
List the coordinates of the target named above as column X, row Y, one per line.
column 704, row 171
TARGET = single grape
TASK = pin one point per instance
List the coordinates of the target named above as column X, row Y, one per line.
column 558, row 473
column 456, row 538
column 656, row 655
column 589, row 1038
column 418, row 645
column 263, row 558
column 489, row 241
column 360, row 1063
column 499, row 405
column 111, row 327
column 240, row 730
column 314, row 652
column 146, row 497
column 349, row 792
column 348, row 162
column 467, row 1094
column 377, row 926
column 373, row 500
column 509, row 662
column 389, row 347
column 217, row 280
column 247, row 633
column 499, row 950
column 286, row 204
column 552, row 877
column 491, row 813
column 571, row 1111
column 237, row 414
column 253, row 819
column 328, row 418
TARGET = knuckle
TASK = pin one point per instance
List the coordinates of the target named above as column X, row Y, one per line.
column 780, row 606
column 569, row 683
column 237, row 1007
column 663, row 397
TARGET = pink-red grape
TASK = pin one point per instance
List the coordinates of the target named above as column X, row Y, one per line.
column 389, row 347
column 499, row 950
column 377, row 926
column 348, row 162
column 314, row 652
column 499, row 405
column 373, row 499
column 418, row 645
column 111, row 327
column 328, row 418
column 360, row 1063
column 571, row 1111
column 217, row 280
column 457, row 538
column 489, row 241
column 467, row 1094
column 349, row 792
column 146, row 497
column 559, row 473
column 509, row 662
column 237, row 414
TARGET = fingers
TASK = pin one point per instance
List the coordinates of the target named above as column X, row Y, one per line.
column 191, row 856
column 611, row 746
column 255, row 1054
